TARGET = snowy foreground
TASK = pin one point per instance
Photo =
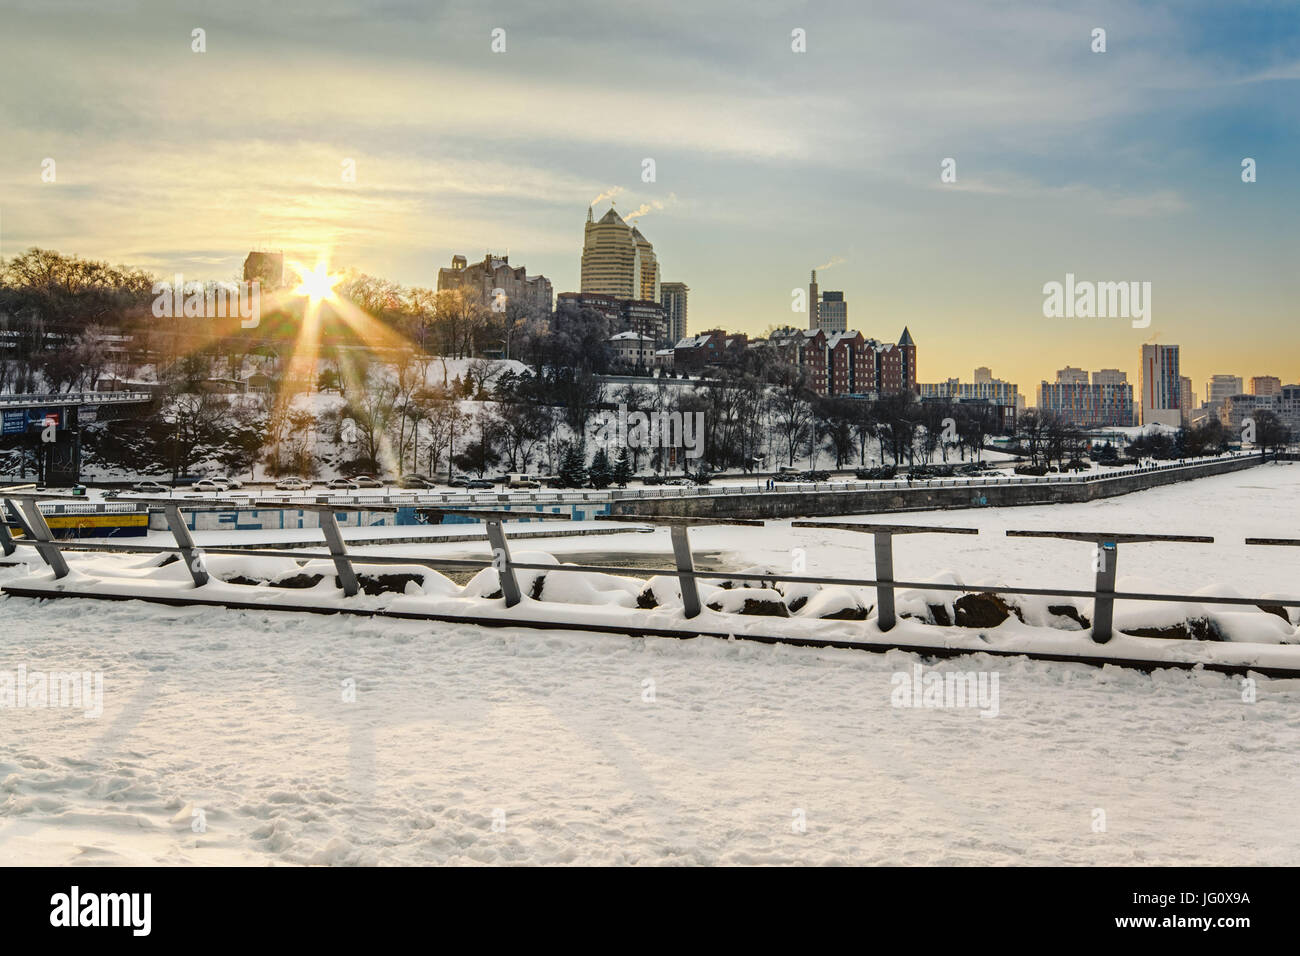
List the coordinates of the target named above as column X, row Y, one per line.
column 466, row 744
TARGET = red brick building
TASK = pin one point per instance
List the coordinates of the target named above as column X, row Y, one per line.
column 805, row 349
column 849, row 363
column 712, row 348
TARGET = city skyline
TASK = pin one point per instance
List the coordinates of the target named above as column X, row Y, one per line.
column 1115, row 166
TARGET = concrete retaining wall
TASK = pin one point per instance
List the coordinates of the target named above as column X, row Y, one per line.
column 923, row 496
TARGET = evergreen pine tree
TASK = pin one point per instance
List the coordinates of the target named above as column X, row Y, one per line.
column 622, row 468
column 600, row 472
column 572, row 474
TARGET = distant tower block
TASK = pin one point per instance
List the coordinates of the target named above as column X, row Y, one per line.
column 833, row 313
column 674, row 296
column 812, row 301
column 266, row 267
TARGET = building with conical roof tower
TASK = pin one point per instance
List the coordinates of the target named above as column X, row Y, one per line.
column 618, row 260
column 610, row 257
column 907, row 362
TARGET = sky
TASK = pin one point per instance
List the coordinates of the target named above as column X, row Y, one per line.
column 1123, row 165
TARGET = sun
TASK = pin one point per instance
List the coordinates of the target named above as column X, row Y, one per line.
column 316, row 284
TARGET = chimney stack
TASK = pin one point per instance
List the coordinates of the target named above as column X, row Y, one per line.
column 813, row 318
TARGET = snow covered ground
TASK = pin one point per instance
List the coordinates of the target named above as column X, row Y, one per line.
column 472, row 745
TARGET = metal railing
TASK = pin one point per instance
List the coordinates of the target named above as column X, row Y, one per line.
column 74, row 398
column 418, row 498
column 1104, row 594
column 886, row 484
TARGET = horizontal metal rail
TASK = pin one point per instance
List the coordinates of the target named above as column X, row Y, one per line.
column 1103, row 594
column 940, row 651
column 380, row 559
column 1119, row 537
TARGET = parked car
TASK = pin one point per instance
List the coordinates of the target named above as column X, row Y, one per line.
column 460, row 481
column 479, row 483
column 653, row 480
column 293, row 484
column 151, row 486
column 367, row 481
column 522, row 481
column 342, row 484
column 232, row 483
column 414, row 481
column 208, row 484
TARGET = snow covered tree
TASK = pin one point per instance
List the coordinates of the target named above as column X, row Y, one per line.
column 572, row 474
column 622, row 468
column 600, row 473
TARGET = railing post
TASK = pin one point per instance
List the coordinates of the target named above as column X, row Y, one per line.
column 40, row 533
column 6, row 539
column 885, row 577
column 685, row 567
column 339, row 551
column 501, row 561
column 190, row 554
column 1103, row 610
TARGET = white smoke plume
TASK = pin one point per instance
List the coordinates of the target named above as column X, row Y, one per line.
column 607, row 194
column 835, row 261
column 645, row 208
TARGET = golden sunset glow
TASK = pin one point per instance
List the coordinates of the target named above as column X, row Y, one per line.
column 317, row 284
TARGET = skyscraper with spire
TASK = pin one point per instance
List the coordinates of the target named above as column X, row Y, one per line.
column 617, row 260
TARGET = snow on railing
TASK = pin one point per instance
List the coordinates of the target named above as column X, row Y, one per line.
column 1105, row 545
column 74, row 398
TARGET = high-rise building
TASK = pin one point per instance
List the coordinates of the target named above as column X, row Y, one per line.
column 833, row 313
column 673, row 296
column 624, row 314
column 1186, row 398
column 1004, row 397
column 1285, row 404
column 1109, row 376
column 618, row 260
column 1160, row 394
column 1265, row 385
column 495, row 284
column 1088, row 405
column 647, row 289
column 1220, row 387
column 826, row 310
column 1071, row 376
